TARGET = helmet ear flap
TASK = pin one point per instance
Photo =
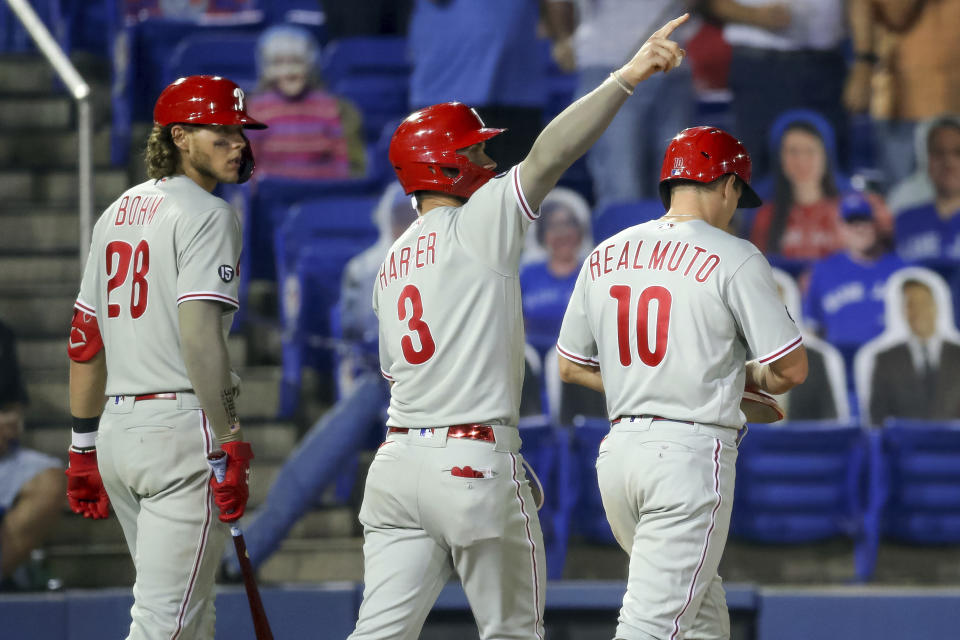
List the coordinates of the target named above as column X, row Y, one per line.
column 247, row 163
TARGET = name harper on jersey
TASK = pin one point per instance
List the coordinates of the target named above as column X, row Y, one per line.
column 614, row 257
column 397, row 267
column 137, row 211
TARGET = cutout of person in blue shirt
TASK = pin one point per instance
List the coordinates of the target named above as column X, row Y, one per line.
column 930, row 233
column 844, row 302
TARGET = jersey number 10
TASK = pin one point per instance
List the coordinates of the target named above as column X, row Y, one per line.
column 650, row 357
column 140, row 259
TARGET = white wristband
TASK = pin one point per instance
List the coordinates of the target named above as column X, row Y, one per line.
column 620, row 81
column 84, row 440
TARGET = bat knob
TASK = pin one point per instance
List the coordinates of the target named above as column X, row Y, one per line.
column 218, row 463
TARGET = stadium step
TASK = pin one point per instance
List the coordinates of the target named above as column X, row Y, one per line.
column 50, row 353
column 73, row 530
column 31, row 269
column 49, row 393
column 91, row 566
column 77, row 530
column 25, row 74
column 46, row 313
column 271, row 441
column 41, row 232
column 108, row 564
column 47, row 149
column 59, row 187
column 48, row 112
column 315, row 561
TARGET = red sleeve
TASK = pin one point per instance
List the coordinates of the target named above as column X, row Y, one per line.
column 85, row 340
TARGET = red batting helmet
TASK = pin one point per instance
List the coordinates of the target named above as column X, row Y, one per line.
column 201, row 100
column 427, row 142
column 703, row 154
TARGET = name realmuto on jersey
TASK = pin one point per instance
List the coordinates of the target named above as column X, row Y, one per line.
column 668, row 256
column 423, row 254
column 137, row 210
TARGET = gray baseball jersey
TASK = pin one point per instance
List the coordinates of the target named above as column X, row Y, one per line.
column 689, row 302
column 161, row 243
column 448, row 300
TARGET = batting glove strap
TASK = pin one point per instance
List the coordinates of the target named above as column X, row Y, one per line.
column 237, row 450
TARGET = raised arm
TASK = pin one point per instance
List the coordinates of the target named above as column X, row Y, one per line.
column 575, row 130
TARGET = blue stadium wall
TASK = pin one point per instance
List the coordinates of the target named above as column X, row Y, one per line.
column 579, row 610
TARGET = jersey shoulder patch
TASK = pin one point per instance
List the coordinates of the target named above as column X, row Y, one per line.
column 85, row 339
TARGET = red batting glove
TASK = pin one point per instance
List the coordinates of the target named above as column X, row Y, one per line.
column 231, row 495
column 85, row 491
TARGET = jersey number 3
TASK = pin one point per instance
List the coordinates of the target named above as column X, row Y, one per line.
column 416, row 324
column 650, row 357
column 125, row 254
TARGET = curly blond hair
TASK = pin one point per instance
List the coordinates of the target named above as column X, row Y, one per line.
column 162, row 156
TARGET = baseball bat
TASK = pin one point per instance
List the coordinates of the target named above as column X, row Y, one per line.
column 261, row 626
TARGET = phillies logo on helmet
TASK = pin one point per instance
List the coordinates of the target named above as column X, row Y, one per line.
column 677, row 167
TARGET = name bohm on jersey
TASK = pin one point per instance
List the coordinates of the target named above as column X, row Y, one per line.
column 689, row 260
column 136, row 210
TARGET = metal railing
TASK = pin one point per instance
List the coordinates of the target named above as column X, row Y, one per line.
column 80, row 91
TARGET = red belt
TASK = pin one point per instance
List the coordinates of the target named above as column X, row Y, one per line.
column 468, row 431
column 165, row 395
column 655, row 419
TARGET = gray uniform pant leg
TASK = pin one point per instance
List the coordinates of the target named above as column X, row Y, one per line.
column 152, row 458
column 404, row 566
column 503, row 569
column 422, row 525
column 667, row 489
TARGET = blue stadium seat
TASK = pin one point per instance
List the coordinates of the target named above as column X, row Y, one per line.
column 231, row 54
column 381, row 99
column 617, row 216
column 803, row 482
column 270, row 200
column 14, row 38
column 561, row 86
column 374, row 73
column 578, row 178
column 312, row 246
column 587, row 517
column 915, row 481
column 365, row 55
column 545, row 448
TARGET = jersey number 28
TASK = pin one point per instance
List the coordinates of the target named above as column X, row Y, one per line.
column 415, row 323
column 126, row 254
column 650, row 357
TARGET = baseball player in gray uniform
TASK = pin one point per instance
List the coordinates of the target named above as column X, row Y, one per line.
column 447, row 493
column 149, row 331
column 662, row 319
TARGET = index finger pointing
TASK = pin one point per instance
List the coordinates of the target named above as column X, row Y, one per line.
column 667, row 29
